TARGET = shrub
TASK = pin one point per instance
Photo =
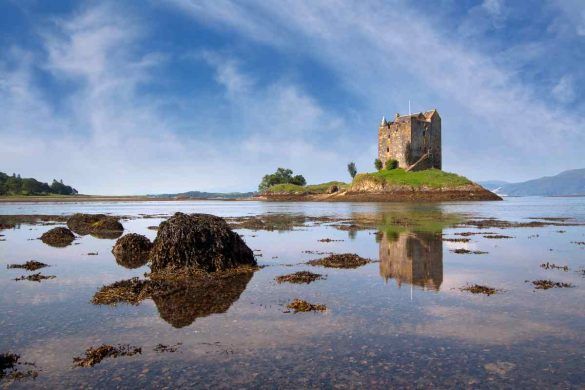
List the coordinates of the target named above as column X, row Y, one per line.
column 391, row 164
column 378, row 164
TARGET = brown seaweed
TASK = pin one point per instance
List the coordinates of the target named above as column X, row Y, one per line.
column 299, row 277
column 94, row 355
column 301, row 306
column 345, row 260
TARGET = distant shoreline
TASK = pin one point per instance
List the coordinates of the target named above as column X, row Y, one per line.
column 99, row 198
column 281, row 198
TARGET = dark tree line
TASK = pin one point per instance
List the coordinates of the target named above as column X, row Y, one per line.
column 15, row 185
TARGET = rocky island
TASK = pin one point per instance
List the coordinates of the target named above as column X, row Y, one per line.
column 408, row 169
column 385, row 186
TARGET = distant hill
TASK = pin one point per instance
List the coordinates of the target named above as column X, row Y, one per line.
column 206, row 195
column 493, row 184
column 566, row 183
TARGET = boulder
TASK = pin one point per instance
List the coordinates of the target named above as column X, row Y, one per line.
column 98, row 225
column 199, row 241
column 131, row 250
column 58, row 237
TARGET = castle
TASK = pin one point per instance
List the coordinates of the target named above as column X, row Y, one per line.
column 413, row 140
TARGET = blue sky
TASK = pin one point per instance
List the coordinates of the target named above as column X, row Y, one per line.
column 133, row 97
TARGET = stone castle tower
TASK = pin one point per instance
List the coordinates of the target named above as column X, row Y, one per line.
column 413, row 140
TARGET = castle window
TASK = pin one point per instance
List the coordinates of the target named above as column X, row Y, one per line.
column 388, row 150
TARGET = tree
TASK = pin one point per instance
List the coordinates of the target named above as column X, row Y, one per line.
column 391, row 164
column 57, row 187
column 378, row 164
column 281, row 176
column 298, row 180
column 17, row 185
column 352, row 169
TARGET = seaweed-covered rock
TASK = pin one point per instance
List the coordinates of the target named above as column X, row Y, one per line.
column 198, row 240
column 82, row 223
column 58, row 237
column 131, row 250
column 345, row 260
column 98, row 225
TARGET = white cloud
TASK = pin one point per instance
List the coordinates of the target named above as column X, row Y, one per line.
column 106, row 138
column 279, row 123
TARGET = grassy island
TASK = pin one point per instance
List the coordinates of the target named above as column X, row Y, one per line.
column 434, row 178
column 385, row 185
column 429, row 178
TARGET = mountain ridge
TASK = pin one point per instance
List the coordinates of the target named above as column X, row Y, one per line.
column 567, row 183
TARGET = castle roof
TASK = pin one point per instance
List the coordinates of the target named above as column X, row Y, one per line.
column 427, row 115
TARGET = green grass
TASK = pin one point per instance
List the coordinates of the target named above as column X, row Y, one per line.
column 308, row 189
column 429, row 178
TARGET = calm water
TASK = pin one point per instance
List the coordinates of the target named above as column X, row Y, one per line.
column 399, row 322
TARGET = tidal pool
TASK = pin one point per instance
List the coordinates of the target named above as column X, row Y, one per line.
column 401, row 320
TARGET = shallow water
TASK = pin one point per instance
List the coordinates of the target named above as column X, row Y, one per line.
column 399, row 321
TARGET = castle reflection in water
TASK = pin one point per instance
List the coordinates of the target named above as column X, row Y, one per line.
column 414, row 258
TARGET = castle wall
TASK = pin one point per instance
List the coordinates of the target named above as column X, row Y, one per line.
column 436, row 142
column 393, row 141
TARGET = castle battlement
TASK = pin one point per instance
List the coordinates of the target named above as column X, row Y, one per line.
column 413, row 140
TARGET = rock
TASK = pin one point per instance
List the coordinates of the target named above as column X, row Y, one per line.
column 333, row 189
column 82, row 223
column 131, row 250
column 58, row 237
column 201, row 241
column 98, row 225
